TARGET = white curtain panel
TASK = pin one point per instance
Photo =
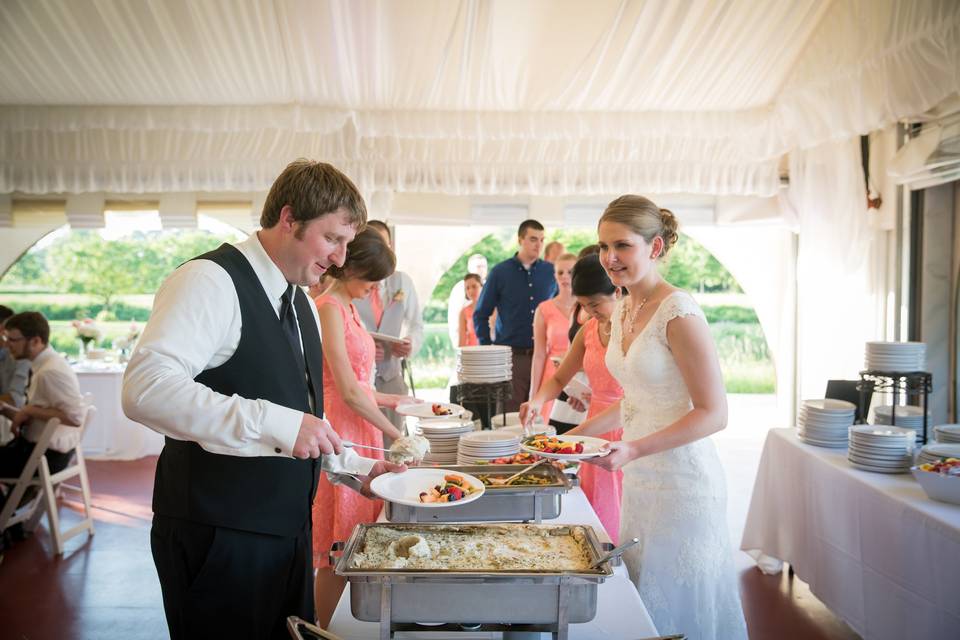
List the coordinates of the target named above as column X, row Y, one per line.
column 840, row 265
column 551, row 97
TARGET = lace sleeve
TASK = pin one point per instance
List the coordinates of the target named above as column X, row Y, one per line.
column 678, row 305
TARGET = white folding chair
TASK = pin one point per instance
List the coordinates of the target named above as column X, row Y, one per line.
column 37, row 473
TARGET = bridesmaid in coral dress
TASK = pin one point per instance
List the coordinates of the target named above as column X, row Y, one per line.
column 472, row 286
column 551, row 327
column 349, row 399
column 595, row 293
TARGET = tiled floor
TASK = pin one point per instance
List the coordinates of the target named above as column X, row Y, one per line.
column 106, row 587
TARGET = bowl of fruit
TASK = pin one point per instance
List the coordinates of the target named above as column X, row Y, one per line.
column 940, row 480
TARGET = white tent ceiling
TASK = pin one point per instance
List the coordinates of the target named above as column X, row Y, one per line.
column 462, row 97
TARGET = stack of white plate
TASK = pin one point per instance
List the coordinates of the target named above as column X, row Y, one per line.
column 881, row 449
column 485, row 363
column 949, row 433
column 896, row 356
column 933, row 452
column 444, row 436
column 481, row 446
column 908, row 417
column 824, row 423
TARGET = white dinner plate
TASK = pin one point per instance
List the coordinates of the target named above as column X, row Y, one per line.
column 592, row 448
column 383, row 337
column 425, row 410
column 405, row 488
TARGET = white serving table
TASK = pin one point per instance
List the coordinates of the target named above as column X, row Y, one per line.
column 111, row 435
column 621, row 615
column 873, row 548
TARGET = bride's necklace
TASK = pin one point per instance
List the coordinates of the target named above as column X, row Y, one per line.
column 628, row 317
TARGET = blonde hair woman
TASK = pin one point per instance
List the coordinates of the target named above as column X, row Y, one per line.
column 674, row 493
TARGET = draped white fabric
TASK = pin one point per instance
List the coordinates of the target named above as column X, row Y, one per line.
column 840, row 265
column 462, row 97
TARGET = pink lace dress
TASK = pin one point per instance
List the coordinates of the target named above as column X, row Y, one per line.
column 558, row 342
column 337, row 509
column 603, row 488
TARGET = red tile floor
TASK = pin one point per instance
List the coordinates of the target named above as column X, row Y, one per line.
column 106, row 588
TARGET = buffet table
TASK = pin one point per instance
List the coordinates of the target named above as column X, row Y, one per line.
column 872, row 547
column 621, row 614
column 111, row 435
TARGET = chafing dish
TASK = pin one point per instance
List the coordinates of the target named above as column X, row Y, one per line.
column 540, row 600
column 525, row 503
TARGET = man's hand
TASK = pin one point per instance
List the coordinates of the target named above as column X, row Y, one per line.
column 380, row 468
column 403, row 349
column 316, row 438
column 378, row 346
column 19, row 419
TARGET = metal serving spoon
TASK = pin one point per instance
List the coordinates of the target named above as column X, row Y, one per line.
column 616, row 551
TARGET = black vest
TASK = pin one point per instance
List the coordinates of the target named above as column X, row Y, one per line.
column 262, row 494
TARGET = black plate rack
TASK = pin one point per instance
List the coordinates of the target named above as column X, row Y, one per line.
column 913, row 386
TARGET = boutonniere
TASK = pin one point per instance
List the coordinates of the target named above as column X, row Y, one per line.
column 399, row 295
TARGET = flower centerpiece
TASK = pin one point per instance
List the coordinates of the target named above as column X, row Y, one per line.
column 125, row 343
column 88, row 333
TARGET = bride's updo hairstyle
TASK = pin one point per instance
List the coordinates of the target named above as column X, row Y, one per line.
column 368, row 258
column 644, row 218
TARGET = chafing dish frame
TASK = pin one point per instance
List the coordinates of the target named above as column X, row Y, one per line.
column 546, row 601
column 513, row 503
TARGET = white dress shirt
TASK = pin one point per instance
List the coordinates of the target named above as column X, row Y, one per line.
column 402, row 318
column 195, row 325
column 54, row 385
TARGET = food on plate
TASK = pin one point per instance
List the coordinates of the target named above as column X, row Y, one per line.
column 409, row 450
column 506, row 547
column 553, row 444
column 527, row 479
column 455, row 487
column 440, row 410
column 525, row 457
column 945, row 467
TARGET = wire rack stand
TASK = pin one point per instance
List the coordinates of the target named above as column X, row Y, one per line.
column 913, row 386
column 489, row 397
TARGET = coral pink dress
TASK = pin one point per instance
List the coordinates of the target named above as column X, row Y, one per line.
column 603, row 488
column 337, row 509
column 467, row 313
column 558, row 342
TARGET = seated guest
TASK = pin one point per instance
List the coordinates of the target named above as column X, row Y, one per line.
column 350, row 401
column 53, row 392
column 13, row 372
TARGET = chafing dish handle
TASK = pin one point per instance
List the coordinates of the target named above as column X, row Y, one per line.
column 334, row 553
column 302, row 630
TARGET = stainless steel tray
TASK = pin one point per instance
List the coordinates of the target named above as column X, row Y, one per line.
column 533, row 503
column 547, row 598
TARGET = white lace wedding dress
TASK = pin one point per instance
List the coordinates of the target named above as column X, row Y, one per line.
column 674, row 501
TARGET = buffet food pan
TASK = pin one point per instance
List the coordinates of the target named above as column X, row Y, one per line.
column 525, row 503
column 544, row 595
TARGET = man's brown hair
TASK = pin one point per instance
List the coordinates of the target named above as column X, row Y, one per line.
column 31, row 324
column 313, row 189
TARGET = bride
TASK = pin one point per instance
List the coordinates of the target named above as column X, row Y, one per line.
column 674, row 493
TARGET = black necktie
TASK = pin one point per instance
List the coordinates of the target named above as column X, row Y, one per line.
column 289, row 323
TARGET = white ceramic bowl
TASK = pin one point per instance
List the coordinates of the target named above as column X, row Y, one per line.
column 938, row 486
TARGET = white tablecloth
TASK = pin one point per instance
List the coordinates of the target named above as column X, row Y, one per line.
column 873, row 547
column 111, row 435
column 621, row 614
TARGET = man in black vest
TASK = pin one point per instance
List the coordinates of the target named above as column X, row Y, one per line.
column 229, row 369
